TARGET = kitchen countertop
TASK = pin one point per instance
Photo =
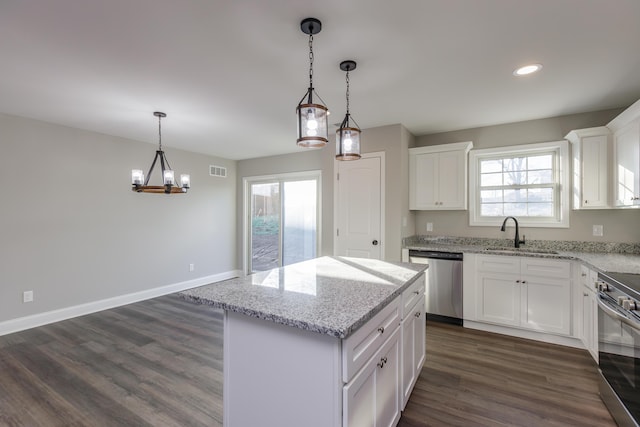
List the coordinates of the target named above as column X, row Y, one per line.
column 602, row 261
column 327, row 295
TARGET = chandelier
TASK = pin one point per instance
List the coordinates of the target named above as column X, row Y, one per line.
column 141, row 185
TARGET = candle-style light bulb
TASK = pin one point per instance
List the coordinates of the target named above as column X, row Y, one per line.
column 169, row 178
column 137, row 177
column 185, row 181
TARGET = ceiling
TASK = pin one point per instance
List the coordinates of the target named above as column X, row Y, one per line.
column 229, row 73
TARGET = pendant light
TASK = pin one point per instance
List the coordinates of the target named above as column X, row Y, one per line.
column 313, row 130
column 347, row 136
column 141, row 185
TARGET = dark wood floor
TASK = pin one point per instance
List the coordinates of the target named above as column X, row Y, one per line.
column 159, row 363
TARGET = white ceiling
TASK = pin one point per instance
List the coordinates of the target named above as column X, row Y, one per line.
column 229, row 73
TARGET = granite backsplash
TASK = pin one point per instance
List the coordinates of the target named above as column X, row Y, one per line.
column 547, row 245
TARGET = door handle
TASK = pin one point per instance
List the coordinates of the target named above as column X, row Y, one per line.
column 374, row 243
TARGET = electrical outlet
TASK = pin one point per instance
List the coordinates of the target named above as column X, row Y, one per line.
column 598, row 230
column 192, row 267
column 429, row 226
column 27, row 296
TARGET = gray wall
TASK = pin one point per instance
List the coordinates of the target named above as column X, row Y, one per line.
column 394, row 140
column 74, row 232
column 619, row 225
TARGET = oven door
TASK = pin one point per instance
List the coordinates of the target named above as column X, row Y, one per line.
column 619, row 352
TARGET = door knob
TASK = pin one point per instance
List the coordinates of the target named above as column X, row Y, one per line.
column 375, row 243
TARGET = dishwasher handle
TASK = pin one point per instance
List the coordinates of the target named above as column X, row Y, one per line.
column 454, row 256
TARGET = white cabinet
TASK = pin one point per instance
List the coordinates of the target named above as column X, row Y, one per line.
column 588, row 279
column 382, row 360
column 438, row 177
column 524, row 292
column 372, row 398
column 413, row 338
column 591, row 181
column 626, row 143
column 358, row 348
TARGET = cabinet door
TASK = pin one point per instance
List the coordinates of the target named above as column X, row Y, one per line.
column 546, row 304
column 388, row 397
column 587, row 320
column 423, row 181
column 594, row 173
column 452, row 180
column 627, row 149
column 413, row 348
column 372, row 398
column 593, row 279
column 498, row 298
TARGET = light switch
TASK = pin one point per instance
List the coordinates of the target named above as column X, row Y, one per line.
column 429, row 226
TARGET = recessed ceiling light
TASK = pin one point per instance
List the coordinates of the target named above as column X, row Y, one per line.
column 527, row 69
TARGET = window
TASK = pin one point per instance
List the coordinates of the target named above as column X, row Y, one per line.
column 529, row 182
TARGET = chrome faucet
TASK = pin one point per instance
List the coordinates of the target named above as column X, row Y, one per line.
column 517, row 238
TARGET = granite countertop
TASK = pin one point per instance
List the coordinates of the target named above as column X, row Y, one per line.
column 604, row 257
column 328, row 295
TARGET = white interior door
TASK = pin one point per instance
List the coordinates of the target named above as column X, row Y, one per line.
column 359, row 211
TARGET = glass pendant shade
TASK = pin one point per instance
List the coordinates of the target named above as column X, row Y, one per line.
column 137, row 177
column 348, row 143
column 169, row 177
column 185, row 181
column 313, row 128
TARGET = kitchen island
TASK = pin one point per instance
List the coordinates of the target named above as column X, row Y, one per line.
column 327, row 342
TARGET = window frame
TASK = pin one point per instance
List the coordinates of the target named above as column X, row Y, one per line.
column 562, row 183
column 280, row 178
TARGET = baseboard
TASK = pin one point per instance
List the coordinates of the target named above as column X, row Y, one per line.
column 32, row 321
column 521, row 333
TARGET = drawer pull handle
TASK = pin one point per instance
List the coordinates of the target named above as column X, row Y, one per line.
column 381, row 329
column 382, row 362
column 416, row 292
column 524, row 281
column 417, row 314
column 584, row 274
column 517, row 281
column 585, row 294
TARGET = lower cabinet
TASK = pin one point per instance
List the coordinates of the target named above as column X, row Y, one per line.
column 413, row 348
column 372, row 398
column 382, row 361
column 524, row 292
column 589, row 334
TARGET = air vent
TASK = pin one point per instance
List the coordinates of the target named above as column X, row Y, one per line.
column 218, row 171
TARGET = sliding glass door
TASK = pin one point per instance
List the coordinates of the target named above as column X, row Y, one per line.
column 283, row 220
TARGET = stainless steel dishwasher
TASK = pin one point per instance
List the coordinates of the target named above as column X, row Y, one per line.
column 444, row 284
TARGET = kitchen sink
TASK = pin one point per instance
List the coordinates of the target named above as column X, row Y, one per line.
column 522, row 251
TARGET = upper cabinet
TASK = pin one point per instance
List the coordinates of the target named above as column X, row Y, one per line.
column 438, row 177
column 626, row 149
column 591, row 181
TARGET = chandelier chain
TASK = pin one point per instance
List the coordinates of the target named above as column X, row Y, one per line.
column 310, row 60
column 347, row 79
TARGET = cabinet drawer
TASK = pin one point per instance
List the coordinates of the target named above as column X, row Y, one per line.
column 366, row 341
column 546, row 268
column 412, row 295
column 498, row 264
